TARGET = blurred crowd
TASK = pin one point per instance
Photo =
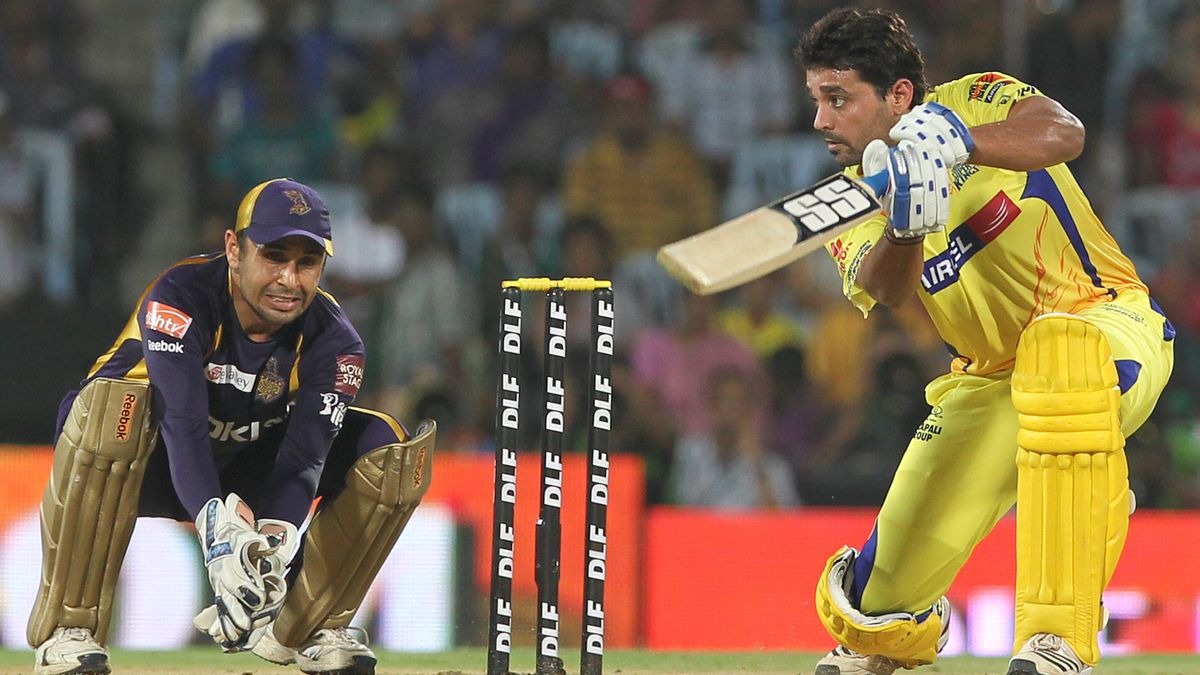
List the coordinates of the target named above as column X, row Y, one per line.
column 462, row 142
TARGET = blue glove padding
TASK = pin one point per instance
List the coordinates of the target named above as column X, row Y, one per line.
column 917, row 200
column 938, row 129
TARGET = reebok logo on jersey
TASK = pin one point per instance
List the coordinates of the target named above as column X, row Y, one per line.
column 164, row 346
column 166, row 319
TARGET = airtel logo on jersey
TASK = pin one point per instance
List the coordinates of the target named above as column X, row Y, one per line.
column 245, row 433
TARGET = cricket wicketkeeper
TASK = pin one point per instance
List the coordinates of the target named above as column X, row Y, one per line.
column 1058, row 351
column 226, row 401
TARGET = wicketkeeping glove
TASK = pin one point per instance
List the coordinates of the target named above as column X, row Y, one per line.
column 234, row 552
column 918, row 195
column 273, row 566
column 938, row 129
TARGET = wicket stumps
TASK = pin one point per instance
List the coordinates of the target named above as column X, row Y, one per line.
column 548, row 540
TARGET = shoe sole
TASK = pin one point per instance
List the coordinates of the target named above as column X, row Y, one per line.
column 1022, row 667
column 90, row 664
column 362, row 665
column 1027, row 667
column 828, row 670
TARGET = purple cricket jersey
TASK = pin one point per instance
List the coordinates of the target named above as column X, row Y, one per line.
column 217, row 393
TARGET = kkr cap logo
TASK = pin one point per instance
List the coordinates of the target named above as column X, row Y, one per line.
column 299, row 204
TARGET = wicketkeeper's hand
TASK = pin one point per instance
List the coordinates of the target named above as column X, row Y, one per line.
column 918, row 195
column 234, row 554
column 284, row 539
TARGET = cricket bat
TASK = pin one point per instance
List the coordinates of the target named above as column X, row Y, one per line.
column 772, row 236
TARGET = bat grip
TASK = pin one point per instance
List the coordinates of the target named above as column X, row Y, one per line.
column 878, row 182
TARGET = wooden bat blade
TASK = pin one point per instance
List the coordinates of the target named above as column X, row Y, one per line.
column 772, row 236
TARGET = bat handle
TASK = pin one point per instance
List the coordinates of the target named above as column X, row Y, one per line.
column 878, row 182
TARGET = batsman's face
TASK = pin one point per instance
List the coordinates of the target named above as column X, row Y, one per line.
column 273, row 283
column 850, row 111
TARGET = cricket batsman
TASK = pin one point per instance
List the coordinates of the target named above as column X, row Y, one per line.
column 226, row 401
column 1058, row 351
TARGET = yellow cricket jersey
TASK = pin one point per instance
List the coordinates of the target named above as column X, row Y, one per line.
column 1018, row 244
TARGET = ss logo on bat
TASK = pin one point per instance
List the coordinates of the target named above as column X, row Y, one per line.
column 831, row 203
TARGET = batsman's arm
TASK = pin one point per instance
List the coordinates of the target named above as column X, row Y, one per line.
column 1039, row 132
column 891, row 270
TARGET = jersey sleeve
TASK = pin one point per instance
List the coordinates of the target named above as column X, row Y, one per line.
column 176, row 330
column 982, row 98
column 329, row 372
column 848, row 251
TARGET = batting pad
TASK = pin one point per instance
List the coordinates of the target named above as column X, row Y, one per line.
column 900, row 636
column 90, row 506
column 349, row 540
column 1072, row 481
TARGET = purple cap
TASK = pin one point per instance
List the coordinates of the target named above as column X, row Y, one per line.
column 280, row 208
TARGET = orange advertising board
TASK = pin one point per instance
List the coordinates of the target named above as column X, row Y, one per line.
column 463, row 482
column 738, row 581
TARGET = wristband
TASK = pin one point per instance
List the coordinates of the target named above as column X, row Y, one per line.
column 902, row 241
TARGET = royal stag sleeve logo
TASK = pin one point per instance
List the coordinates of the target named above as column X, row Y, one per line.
column 166, row 319
column 349, row 375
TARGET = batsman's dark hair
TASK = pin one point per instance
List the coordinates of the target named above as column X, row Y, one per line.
column 876, row 43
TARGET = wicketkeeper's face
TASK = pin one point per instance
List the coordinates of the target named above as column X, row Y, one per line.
column 850, row 111
column 276, row 281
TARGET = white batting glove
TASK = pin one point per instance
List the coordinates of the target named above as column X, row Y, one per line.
column 233, row 551
column 937, row 128
column 918, row 195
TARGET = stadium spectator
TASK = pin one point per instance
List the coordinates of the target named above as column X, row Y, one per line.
column 369, row 235
column 530, row 116
column 728, row 89
column 756, row 322
column 644, row 184
column 730, row 465
column 1165, row 139
column 287, row 136
column 18, row 194
column 524, row 244
column 427, row 322
column 676, row 364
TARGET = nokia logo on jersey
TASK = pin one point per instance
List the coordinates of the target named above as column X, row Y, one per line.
column 967, row 239
column 164, row 346
column 246, row 433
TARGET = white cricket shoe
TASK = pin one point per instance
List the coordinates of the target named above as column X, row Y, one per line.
column 846, row 661
column 336, row 651
column 1046, row 654
column 331, row 651
column 71, row 651
column 269, row 649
